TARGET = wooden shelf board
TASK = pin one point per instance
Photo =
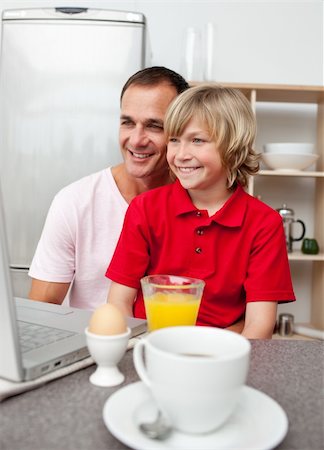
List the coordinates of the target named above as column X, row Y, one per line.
column 306, row 331
column 299, row 256
column 295, row 336
column 278, row 92
column 288, row 173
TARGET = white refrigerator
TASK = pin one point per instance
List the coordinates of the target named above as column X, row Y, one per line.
column 61, row 73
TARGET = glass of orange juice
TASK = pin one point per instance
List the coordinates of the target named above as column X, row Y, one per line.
column 171, row 300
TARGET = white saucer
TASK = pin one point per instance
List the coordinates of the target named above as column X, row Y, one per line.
column 259, row 423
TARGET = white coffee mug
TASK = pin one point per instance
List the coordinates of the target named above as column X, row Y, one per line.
column 195, row 374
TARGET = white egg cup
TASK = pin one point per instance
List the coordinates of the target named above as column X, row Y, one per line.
column 107, row 351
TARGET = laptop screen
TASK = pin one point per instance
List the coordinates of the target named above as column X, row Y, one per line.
column 10, row 357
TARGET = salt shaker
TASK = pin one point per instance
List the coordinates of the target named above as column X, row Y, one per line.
column 285, row 324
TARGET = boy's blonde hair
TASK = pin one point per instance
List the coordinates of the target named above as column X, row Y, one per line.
column 228, row 117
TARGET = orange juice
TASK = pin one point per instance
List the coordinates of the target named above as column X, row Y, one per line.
column 171, row 309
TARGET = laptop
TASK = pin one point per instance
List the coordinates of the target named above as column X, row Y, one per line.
column 36, row 337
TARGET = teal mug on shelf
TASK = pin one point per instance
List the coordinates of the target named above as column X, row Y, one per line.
column 310, row 246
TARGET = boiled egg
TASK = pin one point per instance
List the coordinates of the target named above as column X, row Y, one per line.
column 107, row 320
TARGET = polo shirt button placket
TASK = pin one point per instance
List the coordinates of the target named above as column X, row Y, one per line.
column 199, row 231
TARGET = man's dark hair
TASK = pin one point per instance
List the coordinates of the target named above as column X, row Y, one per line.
column 151, row 76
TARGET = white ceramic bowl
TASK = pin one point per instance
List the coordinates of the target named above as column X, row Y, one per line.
column 281, row 161
column 289, row 147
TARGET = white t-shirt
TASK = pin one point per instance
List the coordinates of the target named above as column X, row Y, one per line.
column 79, row 237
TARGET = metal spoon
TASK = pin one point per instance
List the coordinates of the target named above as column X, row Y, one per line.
column 159, row 429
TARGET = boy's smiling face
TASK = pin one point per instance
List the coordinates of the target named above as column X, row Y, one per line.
column 195, row 159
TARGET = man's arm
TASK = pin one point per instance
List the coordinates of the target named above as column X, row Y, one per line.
column 54, row 258
column 260, row 319
column 47, row 291
column 122, row 297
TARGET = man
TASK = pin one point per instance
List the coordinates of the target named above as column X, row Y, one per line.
column 86, row 217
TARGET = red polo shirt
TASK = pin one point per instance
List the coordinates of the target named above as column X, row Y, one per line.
column 240, row 251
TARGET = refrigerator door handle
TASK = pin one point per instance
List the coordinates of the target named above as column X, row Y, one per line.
column 18, row 267
column 71, row 10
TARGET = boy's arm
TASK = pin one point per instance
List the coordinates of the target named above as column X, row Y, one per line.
column 260, row 319
column 237, row 327
column 123, row 297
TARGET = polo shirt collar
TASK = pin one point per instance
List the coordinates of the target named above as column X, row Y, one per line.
column 230, row 215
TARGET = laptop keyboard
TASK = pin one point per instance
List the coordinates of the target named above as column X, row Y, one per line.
column 33, row 336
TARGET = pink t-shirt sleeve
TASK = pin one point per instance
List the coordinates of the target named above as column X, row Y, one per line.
column 131, row 257
column 54, row 257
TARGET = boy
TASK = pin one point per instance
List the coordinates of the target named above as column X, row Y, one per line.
column 205, row 225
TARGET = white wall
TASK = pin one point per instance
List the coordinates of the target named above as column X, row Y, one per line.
column 255, row 42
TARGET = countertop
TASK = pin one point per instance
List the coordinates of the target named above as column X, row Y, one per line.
column 67, row 413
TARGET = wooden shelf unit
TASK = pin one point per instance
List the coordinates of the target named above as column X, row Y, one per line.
column 308, row 95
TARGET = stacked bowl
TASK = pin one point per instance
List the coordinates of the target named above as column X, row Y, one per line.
column 289, row 156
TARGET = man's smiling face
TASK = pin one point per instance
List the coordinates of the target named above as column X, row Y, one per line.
column 141, row 134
